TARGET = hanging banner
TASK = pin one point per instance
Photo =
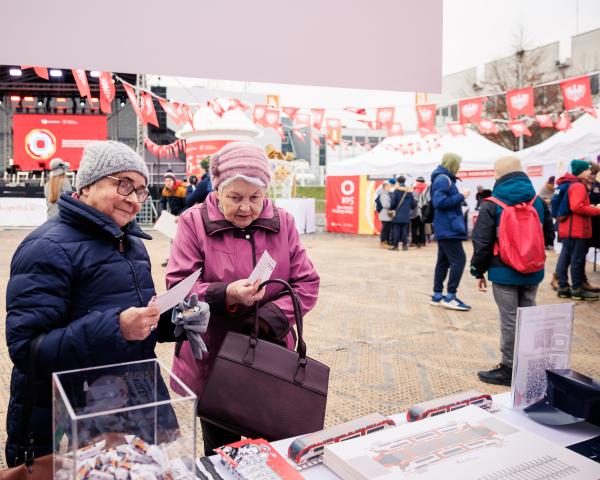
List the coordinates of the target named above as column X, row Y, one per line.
column 317, row 117
column 520, row 102
column 426, row 116
column 564, row 122
column 272, row 118
column 148, row 112
column 302, row 120
column 576, row 93
column 385, row 117
column 133, row 100
column 107, row 91
column 487, row 126
column 170, row 110
column 258, row 115
column 519, row 128
column 471, row 109
column 358, row 111
column 334, row 129
column 544, row 121
column 82, row 82
column 196, row 151
column 342, row 200
column 41, row 72
column 290, row 111
column 372, row 124
column 456, row 128
column 395, row 130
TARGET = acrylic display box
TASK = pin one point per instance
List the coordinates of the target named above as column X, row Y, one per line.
column 122, row 421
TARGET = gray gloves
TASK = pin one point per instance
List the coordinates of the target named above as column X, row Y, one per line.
column 192, row 317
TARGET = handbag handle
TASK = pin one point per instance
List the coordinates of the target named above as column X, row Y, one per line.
column 301, row 348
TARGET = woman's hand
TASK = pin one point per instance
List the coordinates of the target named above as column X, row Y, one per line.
column 481, row 284
column 240, row 292
column 138, row 323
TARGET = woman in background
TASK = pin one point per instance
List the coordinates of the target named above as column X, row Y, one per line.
column 57, row 184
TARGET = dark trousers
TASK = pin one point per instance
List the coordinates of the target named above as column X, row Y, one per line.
column 386, row 229
column 215, row 437
column 451, row 255
column 573, row 253
column 417, row 231
column 399, row 233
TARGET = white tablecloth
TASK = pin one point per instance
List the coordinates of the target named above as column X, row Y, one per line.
column 303, row 211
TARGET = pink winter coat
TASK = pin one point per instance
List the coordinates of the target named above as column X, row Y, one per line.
column 227, row 253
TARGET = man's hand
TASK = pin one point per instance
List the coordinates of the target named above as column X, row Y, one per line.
column 482, row 284
column 137, row 323
column 240, row 292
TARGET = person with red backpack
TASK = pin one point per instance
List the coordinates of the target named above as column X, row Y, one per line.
column 509, row 244
column 575, row 230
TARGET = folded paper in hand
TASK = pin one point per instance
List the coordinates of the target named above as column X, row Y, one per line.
column 263, row 270
column 172, row 297
column 167, row 224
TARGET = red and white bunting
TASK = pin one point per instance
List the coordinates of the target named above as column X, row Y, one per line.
column 358, row 111
column 182, row 110
column 302, row 120
column 298, row 134
column 519, row 128
column 564, row 122
column 170, row 110
column 471, row 109
column 217, row 106
column 315, row 138
column 520, row 102
column 372, row 124
column 82, row 82
column 272, row 118
column 487, row 126
column 456, row 128
column 334, row 129
column 133, row 100
column 576, row 93
column 107, row 91
column 592, row 111
column 330, row 143
column 317, row 117
column 544, row 121
column 281, row 132
column 258, row 116
column 237, row 104
column 395, row 130
column 290, row 111
column 147, row 109
column 385, row 117
column 426, row 116
column 424, row 131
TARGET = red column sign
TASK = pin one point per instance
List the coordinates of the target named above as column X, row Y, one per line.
column 342, row 204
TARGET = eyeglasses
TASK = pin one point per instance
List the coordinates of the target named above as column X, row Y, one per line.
column 125, row 188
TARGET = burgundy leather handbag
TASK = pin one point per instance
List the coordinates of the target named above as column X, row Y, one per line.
column 259, row 389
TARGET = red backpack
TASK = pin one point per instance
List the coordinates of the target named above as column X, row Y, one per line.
column 520, row 236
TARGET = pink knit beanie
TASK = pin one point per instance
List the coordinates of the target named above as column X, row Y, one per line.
column 239, row 158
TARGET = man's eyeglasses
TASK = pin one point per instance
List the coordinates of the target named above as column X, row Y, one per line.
column 125, row 187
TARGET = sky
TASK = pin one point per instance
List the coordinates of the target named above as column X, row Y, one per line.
column 475, row 32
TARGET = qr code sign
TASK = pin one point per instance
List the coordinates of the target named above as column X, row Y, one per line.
column 536, row 378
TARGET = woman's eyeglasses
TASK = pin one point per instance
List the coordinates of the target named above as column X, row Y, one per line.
column 125, row 188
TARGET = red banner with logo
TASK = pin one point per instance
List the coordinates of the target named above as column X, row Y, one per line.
column 487, row 126
column 82, row 82
column 395, row 130
column 564, row 122
column 456, row 128
column 342, row 200
column 272, row 117
column 170, row 110
column 576, row 93
column 107, row 91
column 291, row 111
column 147, row 109
column 334, row 129
column 520, row 102
column 133, row 100
column 37, row 139
column 471, row 109
column 426, row 117
column 385, row 117
column 258, row 115
column 317, row 117
column 544, row 121
column 302, row 120
column 519, row 128
column 196, row 151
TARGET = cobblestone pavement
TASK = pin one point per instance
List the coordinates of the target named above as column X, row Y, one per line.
column 387, row 348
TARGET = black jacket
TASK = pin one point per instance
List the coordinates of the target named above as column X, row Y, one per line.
column 203, row 188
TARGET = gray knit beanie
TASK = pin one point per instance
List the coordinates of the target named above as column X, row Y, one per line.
column 107, row 158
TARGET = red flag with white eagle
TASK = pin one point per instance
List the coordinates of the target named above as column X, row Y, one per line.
column 170, row 110
column 302, row 120
column 576, row 93
column 544, row 121
column 487, row 126
column 133, row 100
column 471, row 109
column 520, row 102
column 147, row 110
column 272, row 116
column 385, row 117
column 290, row 111
column 258, row 116
column 519, row 128
column 456, row 128
column 317, row 117
column 564, row 122
column 82, row 82
column 426, row 116
column 334, row 129
column 395, row 130
column 358, row 111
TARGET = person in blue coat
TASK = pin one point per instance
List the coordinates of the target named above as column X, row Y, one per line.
column 402, row 202
column 202, row 188
column 80, row 286
column 450, row 231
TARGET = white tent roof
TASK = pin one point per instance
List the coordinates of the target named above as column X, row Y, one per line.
column 582, row 139
column 387, row 158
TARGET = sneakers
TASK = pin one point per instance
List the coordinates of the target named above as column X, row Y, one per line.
column 392, row 248
column 501, row 375
column 564, row 292
column 437, row 299
column 454, row 303
column 589, row 287
column 582, row 294
column 404, row 248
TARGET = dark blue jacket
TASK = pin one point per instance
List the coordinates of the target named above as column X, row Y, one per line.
column 70, row 281
column 203, row 188
column 402, row 212
column 448, row 219
column 511, row 189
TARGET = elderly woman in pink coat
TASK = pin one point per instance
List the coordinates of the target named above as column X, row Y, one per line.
column 226, row 236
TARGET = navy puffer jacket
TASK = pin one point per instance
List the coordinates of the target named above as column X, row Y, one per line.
column 70, row 281
column 448, row 220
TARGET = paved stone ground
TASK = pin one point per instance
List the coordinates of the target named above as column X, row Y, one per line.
column 387, row 348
